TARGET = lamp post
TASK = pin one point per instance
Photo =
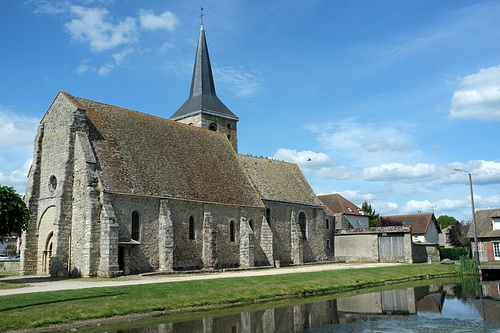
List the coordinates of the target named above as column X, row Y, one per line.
column 476, row 254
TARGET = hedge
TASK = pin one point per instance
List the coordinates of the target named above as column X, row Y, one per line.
column 453, row 253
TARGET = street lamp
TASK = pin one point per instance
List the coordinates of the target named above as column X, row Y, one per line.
column 476, row 255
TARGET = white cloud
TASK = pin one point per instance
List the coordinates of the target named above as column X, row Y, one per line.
column 46, row 7
column 166, row 21
column 357, row 137
column 17, row 178
column 340, row 172
column 16, row 130
column 306, row 159
column 478, row 96
column 120, row 57
column 237, row 81
column 357, row 196
column 398, row 171
column 482, row 172
column 93, row 27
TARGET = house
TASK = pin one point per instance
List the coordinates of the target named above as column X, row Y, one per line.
column 345, row 214
column 114, row 191
column 488, row 234
column 424, row 227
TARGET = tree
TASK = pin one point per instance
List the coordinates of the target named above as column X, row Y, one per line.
column 457, row 235
column 445, row 221
column 14, row 215
column 373, row 219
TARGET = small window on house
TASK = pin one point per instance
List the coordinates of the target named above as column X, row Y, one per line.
column 327, row 243
column 212, row 127
column 191, row 228
column 229, row 137
column 407, row 223
column 303, row 224
column 232, row 232
column 251, row 224
column 496, row 223
column 52, row 183
column 135, row 226
column 228, row 126
column 268, row 216
column 327, row 224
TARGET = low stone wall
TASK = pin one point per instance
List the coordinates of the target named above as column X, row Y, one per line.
column 425, row 252
column 9, row 267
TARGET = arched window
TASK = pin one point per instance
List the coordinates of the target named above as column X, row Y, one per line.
column 135, row 226
column 268, row 216
column 303, row 224
column 251, row 224
column 52, row 183
column 191, row 228
column 232, row 231
column 213, row 127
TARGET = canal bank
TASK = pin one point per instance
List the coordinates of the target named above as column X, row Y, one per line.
column 26, row 311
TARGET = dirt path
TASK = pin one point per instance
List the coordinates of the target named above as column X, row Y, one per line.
column 44, row 283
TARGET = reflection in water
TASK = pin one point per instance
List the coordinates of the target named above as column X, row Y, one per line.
column 433, row 308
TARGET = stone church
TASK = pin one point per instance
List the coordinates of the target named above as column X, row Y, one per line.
column 114, row 191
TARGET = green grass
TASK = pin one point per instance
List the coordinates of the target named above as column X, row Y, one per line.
column 468, row 266
column 25, row 311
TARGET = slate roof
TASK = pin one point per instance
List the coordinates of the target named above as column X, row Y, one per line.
column 419, row 222
column 141, row 154
column 484, row 224
column 278, row 181
column 202, row 97
column 340, row 205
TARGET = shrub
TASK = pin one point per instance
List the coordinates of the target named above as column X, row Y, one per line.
column 453, row 253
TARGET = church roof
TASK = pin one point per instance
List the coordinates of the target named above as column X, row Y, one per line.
column 140, row 154
column 340, row 205
column 278, row 181
column 202, row 97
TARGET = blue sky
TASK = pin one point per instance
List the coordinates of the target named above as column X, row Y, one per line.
column 375, row 100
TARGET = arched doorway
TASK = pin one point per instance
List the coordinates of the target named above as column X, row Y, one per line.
column 47, row 254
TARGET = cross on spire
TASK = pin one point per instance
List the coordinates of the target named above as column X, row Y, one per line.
column 201, row 16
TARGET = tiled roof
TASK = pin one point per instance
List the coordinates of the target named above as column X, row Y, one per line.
column 484, row 223
column 278, row 181
column 340, row 205
column 419, row 222
column 142, row 154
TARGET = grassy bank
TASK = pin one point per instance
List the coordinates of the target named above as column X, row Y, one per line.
column 42, row 309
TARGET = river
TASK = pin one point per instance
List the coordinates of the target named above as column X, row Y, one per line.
column 469, row 306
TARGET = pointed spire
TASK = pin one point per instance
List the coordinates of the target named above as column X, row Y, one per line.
column 202, row 97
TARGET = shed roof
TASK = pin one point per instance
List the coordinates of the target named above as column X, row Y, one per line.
column 419, row 222
column 340, row 205
column 278, row 181
column 140, row 154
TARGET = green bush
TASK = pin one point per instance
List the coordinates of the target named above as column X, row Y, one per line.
column 453, row 253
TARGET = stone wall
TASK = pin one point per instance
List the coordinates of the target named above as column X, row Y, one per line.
column 46, row 241
column 9, row 267
column 356, row 248
column 425, row 252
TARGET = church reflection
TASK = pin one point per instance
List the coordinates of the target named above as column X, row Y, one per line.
column 395, row 304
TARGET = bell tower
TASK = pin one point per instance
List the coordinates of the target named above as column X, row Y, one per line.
column 203, row 108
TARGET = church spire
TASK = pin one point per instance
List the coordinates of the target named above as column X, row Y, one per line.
column 202, row 97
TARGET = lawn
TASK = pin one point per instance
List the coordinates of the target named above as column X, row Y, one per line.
column 25, row 311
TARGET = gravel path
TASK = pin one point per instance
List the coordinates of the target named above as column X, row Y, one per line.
column 45, row 283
